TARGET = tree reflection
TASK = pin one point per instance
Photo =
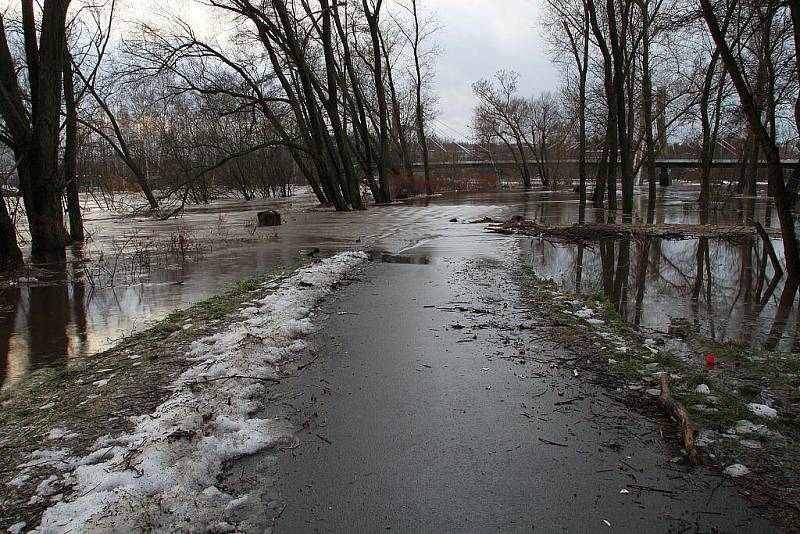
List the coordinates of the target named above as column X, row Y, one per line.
column 48, row 317
column 9, row 301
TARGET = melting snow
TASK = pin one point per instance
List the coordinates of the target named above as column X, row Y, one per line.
column 737, row 470
column 165, row 470
column 60, row 433
column 762, row 410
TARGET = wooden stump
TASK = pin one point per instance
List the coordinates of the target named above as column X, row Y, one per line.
column 269, row 218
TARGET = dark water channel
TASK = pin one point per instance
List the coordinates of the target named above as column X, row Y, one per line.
column 49, row 324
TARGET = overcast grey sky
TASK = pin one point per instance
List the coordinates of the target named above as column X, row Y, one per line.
column 477, row 38
column 480, row 37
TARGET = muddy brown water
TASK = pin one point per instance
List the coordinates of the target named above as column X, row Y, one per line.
column 48, row 325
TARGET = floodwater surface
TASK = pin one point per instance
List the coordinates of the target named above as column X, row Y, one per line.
column 652, row 282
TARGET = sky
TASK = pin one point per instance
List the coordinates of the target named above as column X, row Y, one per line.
column 476, row 39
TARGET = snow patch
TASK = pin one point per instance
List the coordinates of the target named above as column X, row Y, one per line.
column 762, row 410
column 737, row 470
column 165, row 470
column 60, row 433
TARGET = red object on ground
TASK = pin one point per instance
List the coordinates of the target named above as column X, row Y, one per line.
column 710, row 361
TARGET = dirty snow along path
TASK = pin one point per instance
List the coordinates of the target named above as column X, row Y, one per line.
column 163, row 475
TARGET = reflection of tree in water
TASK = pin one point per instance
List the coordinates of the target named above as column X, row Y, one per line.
column 722, row 287
column 48, row 316
column 9, row 301
column 55, row 315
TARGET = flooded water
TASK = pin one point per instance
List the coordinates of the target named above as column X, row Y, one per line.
column 654, row 283
column 650, row 281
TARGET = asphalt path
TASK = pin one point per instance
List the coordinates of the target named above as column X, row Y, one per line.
column 420, row 416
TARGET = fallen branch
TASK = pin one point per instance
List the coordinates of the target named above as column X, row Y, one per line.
column 678, row 411
column 229, row 377
column 592, row 232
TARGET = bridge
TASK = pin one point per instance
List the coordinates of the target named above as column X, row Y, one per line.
column 673, row 163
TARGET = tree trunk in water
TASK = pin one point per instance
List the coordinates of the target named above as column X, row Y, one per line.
column 526, row 173
column 647, row 105
column 601, row 180
column 71, row 157
column 45, row 216
column 10, row 254
column 623, row 145
column 373, row 20
column 582, row 138
column 707, row 149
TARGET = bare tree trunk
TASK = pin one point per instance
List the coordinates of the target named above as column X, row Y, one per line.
column 611, row 84
column 71, row 156
column 373, row 20
column 618, row 57
column 647, row 105
column 421, row 137
column 582, row 116
column 399, row 132
column 331, row 104
column 10, row 254
column 602, row 179
column 707, row 150
column 36, row 137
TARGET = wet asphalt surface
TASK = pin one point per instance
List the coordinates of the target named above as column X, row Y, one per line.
column 419, row 416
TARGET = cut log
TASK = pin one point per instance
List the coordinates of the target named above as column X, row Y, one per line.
column 678, row 411
column 269, row 218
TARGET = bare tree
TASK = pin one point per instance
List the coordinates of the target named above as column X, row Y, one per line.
column 34, row 129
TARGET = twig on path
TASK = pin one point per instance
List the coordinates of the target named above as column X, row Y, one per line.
column 570, row 401
column 229, row 377
column 552, row 442
column 301, row 367
column 650, row 488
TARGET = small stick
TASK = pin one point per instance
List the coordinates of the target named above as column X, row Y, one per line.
column 552, row 442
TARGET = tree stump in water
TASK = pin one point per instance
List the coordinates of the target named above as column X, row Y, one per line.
column 269, row 218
